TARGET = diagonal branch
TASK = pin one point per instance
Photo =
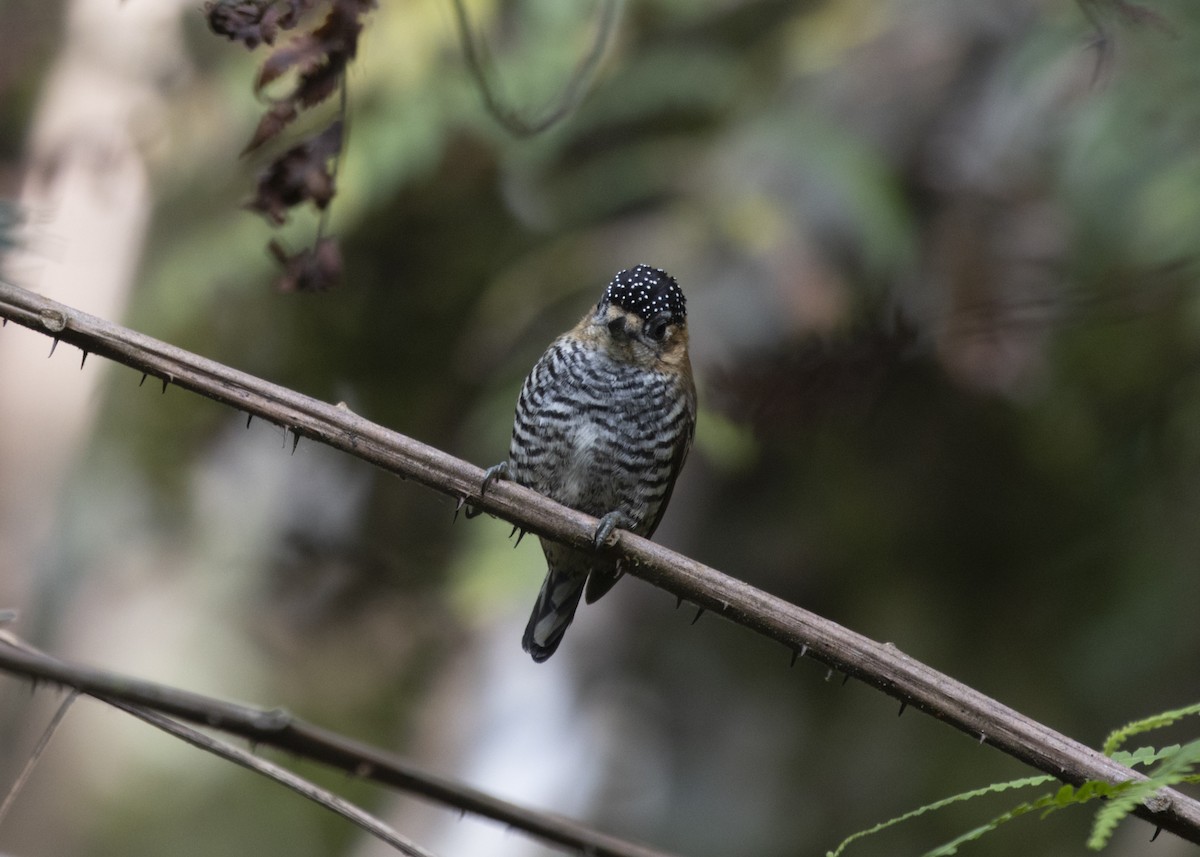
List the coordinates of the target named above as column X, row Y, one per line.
column 36, row 755
column 277, row 728
column 279, row 774
column 880, row 665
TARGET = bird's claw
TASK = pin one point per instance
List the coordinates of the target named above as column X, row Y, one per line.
column 607, row 524
column 496, row 471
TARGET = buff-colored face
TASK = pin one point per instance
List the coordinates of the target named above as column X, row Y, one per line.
column 655, row 342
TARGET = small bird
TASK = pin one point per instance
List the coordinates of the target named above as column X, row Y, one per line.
column 603, row 425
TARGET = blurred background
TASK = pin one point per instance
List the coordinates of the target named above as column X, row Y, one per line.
column 940, row 260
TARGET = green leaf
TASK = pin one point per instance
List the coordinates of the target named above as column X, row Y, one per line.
column 1144, row 755
column 1177, row 765
column 940, row 804
column 1177, row 768
column 1137, row 727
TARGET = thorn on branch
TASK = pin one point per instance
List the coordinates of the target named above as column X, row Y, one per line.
column 462, row 501
column 143, row 381
column 83, row 359
column 903, row 705
column 249, row 417
column 295, row 440
column 678, row 601
column 829, row 674
column 795, row 657
column 845, row 679
column 165, row 382
column 699, row 613
column 1157, row 830
column 53, row 345
column 518, row 532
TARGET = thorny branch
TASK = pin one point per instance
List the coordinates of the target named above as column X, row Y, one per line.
column 880, row 665
column 36, row 755
column 279, row 774
column 277, row 728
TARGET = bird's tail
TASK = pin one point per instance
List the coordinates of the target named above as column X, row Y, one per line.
column 553, row 612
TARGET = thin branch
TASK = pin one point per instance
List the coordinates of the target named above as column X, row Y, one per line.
column 880, row 665
column 36, row 755
column 487, row 79
column 277, row 728
column 281, row 775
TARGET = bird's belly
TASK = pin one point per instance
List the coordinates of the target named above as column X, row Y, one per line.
column 581, row 482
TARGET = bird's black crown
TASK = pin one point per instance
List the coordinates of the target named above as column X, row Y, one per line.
column 646, row 292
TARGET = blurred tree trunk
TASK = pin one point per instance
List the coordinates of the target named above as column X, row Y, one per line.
column 86, row 201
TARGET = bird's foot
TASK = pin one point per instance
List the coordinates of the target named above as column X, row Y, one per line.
column 496, row 471
column 608, row 523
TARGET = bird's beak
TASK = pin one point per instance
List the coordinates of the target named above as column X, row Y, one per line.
column 614, row 319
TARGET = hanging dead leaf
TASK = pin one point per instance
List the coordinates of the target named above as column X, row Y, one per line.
column 304, row 52
column 272, row 123
column 313, row 269
column 254, row 22
column 305, row 172
column 298, row 175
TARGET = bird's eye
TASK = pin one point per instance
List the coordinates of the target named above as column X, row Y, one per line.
column 656, row 328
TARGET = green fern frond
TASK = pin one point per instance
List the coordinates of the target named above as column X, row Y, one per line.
column 1144, row 755
column 1061, row 799
column 1017, row 811
column 1177, row 768
column 939, row 804
column 1137, row 727
column 1176, row 764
